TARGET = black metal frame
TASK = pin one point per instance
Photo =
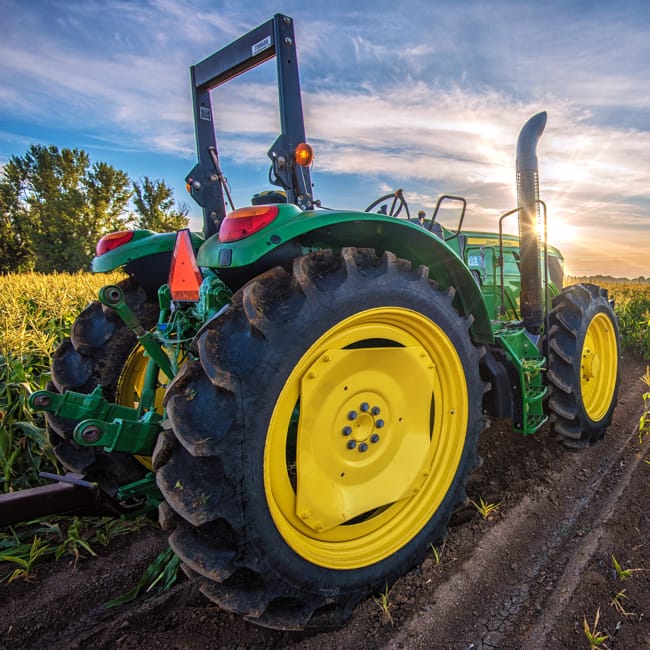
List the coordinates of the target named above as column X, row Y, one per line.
column 274, row 38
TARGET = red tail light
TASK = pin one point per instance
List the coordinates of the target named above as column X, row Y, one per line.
column 113, row 240
column 246, row 221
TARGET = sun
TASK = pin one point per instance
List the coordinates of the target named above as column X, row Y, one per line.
column 561, row 233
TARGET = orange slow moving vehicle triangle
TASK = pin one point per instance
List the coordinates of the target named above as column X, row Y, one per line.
column 184, row 276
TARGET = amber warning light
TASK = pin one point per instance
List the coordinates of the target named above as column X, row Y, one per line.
column 184, row 276
column 304, row 154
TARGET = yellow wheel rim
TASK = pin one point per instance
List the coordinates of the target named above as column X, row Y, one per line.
column 131, row 383
column 598, row 367
column 366, row 437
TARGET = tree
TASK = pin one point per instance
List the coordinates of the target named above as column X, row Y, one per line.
column 154, row 205
column 59, row 206
column 15, row 246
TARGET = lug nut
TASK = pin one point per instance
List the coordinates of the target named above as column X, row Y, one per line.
column 352, row 444
column 352, row 415
column 363, row 447
column 374, row 438
column 347, row 431
column 364, row 407
column 375, row 410
column 379, row 424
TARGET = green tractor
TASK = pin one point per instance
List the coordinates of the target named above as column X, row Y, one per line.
column 299, row 390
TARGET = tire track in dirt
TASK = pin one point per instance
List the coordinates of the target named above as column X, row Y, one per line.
column 493, row 602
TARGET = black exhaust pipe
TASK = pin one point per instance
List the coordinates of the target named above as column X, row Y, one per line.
column 531, row 305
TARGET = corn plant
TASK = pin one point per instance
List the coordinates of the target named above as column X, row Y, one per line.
column 623, row 574
column 36, row 313
column 437, row 554
column 595, row 638
column 25, row 557
column 644, row 420
column 485, row 509
column 617, row 603
column 30, row 543
column 383, row 602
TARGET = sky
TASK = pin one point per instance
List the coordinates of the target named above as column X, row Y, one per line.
column 428, row 96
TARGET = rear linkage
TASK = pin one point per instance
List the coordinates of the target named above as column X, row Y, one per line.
column 115, row 427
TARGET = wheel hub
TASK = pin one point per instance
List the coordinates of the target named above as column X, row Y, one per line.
column 372, row 408
column 590, row 365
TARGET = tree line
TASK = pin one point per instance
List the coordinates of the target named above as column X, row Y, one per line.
column 55, row 205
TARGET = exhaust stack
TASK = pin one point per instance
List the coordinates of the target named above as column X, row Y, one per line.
column 531, row 305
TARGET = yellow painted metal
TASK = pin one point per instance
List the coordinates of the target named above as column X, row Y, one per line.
column 129, row 387
column 598, row 367
column 337, row 505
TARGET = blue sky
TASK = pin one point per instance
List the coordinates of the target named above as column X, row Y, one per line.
column 427, row 96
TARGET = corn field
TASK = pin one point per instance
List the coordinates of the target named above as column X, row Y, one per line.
column 36, row 312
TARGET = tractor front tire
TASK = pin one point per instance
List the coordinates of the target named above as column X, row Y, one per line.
column 323, row 440
column 583, row 364
column 101, row 350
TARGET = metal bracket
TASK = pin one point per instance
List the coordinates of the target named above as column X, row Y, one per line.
column 136, row 437
column 77, row 406
column 112, row 296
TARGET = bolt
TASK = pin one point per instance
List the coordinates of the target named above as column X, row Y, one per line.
column 364, row 406
column 375, row 410
column 287, row 41
column 304, row 515
column 91, row 434
column 42, row 401
column 312, row 375
column 363, row 447
column 352, row 415
column 326, row 358
column 379, row 424
column 347, row 431
column 352, row 444
column 374, row 438
column 287, row 20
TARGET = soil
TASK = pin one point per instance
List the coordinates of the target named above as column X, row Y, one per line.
column 526, row 577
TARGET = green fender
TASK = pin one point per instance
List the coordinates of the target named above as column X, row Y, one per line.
column 332, row 229
column 143, row 244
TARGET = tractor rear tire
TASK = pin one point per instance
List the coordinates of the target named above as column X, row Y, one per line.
column 323, row 439
column 583, row 364
column 100, row 350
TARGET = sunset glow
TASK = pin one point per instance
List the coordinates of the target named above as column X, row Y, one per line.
column 428, row 98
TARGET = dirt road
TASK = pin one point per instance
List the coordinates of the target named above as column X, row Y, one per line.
column 524, row 578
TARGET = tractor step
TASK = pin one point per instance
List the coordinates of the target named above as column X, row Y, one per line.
column 524, row 355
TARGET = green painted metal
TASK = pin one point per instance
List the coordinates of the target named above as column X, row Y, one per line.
column 112, row 296
column 77, row 406
column 526, row 358
column 143, row 244
column 143, row 494
column 317, row 229
column 132, row 436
